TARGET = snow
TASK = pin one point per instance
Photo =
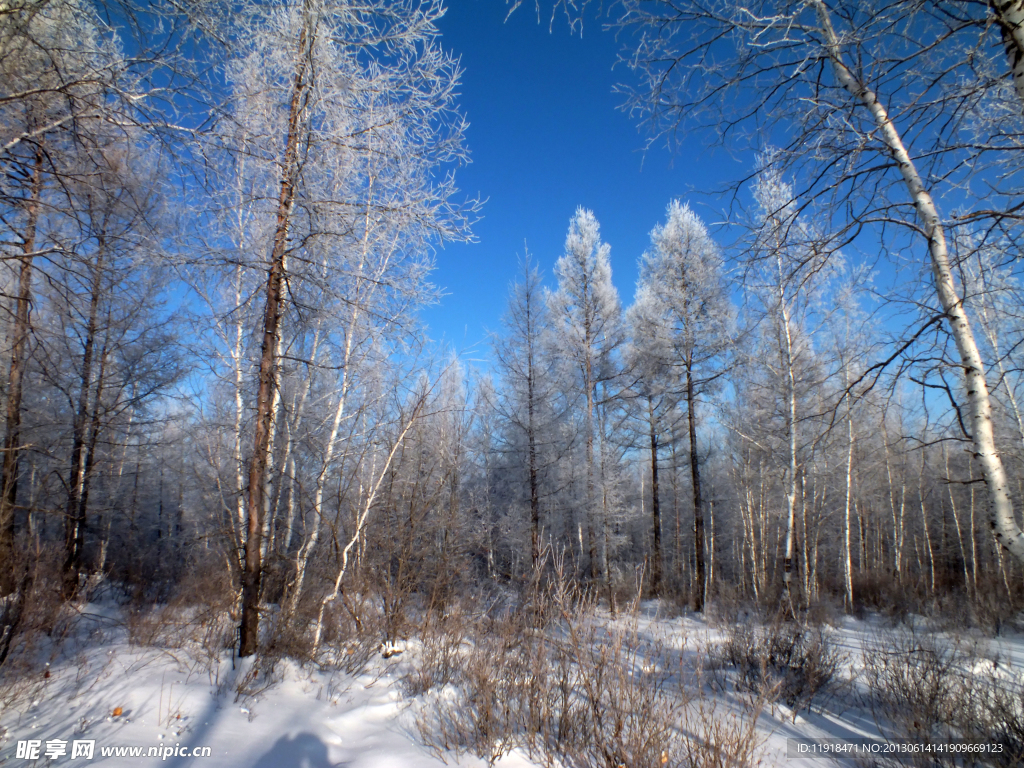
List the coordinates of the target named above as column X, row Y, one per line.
column 310, row 717
column 307, row 719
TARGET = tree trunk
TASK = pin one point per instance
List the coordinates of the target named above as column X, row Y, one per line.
column 531, row 438
column 700, row 587
column 847, row 555
column 74, row 521
column 656, row 561
column 595, row 569
column 19, row 360
column 252, row 570
column 1009, row 14
column 924, row 525
column 956, row 522
column 678, row 530
column 89, row 463
column 791, row 427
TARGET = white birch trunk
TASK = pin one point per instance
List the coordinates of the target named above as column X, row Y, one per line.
column 293, row 428
column 371, row 497
column 318, row 496
column 791, row 426
column 974, row 539
column 897, row 517
column 1004, row 523
column 346, row 382
column 847, row 557
column 1010, row 16
column 267, row 539
column 236, row 361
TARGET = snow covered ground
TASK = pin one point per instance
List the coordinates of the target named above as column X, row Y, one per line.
column 167, row 699
column 104, row 690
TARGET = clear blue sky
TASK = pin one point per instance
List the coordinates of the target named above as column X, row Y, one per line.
column 546, row 136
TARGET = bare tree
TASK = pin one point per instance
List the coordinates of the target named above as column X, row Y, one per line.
column 654, row 389
column 529, row 387
column 350, row 106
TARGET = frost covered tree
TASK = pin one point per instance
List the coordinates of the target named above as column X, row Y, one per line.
column 526, row 402
column 786, row 276
column 586, row 316
column 57, row 69
column 348, row 109
column 655, row 397
column 683, row 298
column 102, row 344
column 82, row 172
column 865, row 85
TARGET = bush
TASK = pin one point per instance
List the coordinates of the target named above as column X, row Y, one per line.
column 438, row 662
column 795, row 664
column 199, row 616
column 579, row 691
column 933, row 689
column 917, row 684
column 33, row 612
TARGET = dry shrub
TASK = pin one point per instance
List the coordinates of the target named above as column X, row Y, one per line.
column 797, row 664
column 33, row 613
column 36, row 626
column 916, row 683
column 258, row 674
column 993, row 610
column 438, row 662
column 935, row 689
column 882, row 593
column 997, row 718
column 353, row 627
column 631, row 703
column 727, row 605
column 722, row 740
column 822, row 610
column 199, row 617
column 579, row 691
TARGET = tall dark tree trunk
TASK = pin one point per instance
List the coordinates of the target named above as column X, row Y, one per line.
column 252, row 569
column 656, row 561
column 595, row 570
column 74, row 517
column 531, row 438
column 19, row 356
column 89, row 463
column 700, row 587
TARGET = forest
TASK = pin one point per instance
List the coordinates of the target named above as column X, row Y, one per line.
column 219, row 225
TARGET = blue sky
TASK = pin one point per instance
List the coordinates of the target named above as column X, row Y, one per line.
column 546, row 136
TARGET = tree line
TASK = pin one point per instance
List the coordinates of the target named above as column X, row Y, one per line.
column 219, row 223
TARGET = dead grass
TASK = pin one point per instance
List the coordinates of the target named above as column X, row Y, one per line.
column 556, row 678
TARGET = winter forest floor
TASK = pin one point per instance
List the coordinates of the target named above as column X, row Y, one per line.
column 465, row 689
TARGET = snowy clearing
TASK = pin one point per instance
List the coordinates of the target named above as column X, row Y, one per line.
column 99, row 687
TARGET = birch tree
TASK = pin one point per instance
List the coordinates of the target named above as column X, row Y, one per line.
column 786, row 275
